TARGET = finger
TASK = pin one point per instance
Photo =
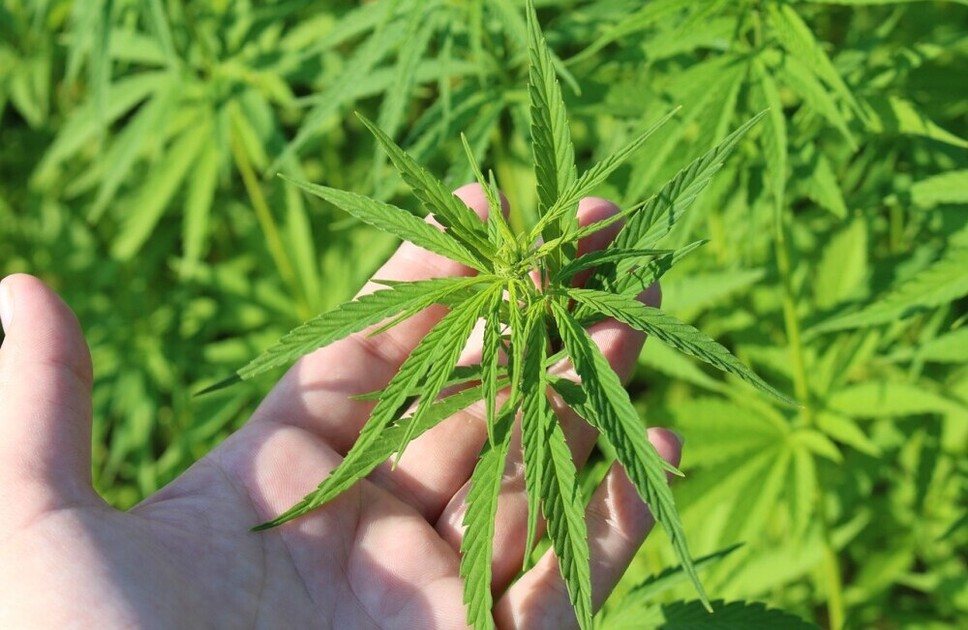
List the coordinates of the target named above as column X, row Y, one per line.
column 592, row 210
column 45, row 402
column 315, row 393
column 453, row 445
column 618, row 522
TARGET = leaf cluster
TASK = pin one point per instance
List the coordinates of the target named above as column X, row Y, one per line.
column 523, row 292
column 834, row 265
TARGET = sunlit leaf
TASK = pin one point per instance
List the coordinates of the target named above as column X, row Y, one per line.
column 609, row 409
column 671, row 331
column 477, row 545
column 396, row 221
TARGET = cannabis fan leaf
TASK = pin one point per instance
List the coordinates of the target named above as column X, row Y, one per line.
column 533, row 324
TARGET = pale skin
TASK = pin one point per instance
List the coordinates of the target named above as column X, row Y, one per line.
column 384, row 554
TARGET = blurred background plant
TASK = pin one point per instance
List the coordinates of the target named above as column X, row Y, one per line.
column 138, row 143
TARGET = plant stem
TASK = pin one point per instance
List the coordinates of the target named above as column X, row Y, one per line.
column 269, row 228
column 834, row 583
column 831, row 572
column 896, row 227
column 792, row 324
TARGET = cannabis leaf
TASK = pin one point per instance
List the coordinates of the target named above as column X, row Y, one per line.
column 936, row 284
column 478, row 542
column 534, row 414
column 564, row 511
column 554, row 154
column 692, row 615
column 665, row 208
column 349, row 318
column 677, row 334
column 533, row 325
column 671, row 577
column 394, row 220
column 149, row 130
column 609, row 410
column 450, row 211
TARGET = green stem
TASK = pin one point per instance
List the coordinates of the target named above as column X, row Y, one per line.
column 269, row 228
column 896, row 227
column 831, row 570
column 792, row 324
column 831, row 567
column 504, row 171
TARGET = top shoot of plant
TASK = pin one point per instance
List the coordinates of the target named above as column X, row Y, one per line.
column 534, row 316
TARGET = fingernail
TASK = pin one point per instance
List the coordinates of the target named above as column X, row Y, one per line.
column 652, row 295
column 678, row 436
column 6, row 306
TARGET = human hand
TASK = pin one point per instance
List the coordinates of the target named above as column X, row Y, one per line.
column 383, row 554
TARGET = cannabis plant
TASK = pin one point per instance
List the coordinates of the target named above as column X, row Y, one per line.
column 835, row 265
column 534, row 316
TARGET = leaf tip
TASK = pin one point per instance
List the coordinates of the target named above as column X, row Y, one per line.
column 263, row 526
column 222, row 384
column 792, row 403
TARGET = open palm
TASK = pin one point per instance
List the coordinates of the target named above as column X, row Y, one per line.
column 384, row 554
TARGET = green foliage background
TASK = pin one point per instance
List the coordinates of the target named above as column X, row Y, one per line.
column 138, row 140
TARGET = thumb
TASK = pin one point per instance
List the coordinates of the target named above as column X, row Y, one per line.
column 45, row 402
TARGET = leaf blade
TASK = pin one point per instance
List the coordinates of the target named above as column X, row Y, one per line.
column 552, row 148
column 446, row 333
column 609, row 409
column 478, row 542
column 534, row 410
column 564, row 513
column 380, row 450
column 671, row 331
column 598, row 173
column 348, row 318
column 450, row 211
column 392, row 219
column 643, row 228
column 445, row 352
column 490, row 363
column 941, row 282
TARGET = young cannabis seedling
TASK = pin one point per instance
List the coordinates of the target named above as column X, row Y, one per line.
column 534, row 324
